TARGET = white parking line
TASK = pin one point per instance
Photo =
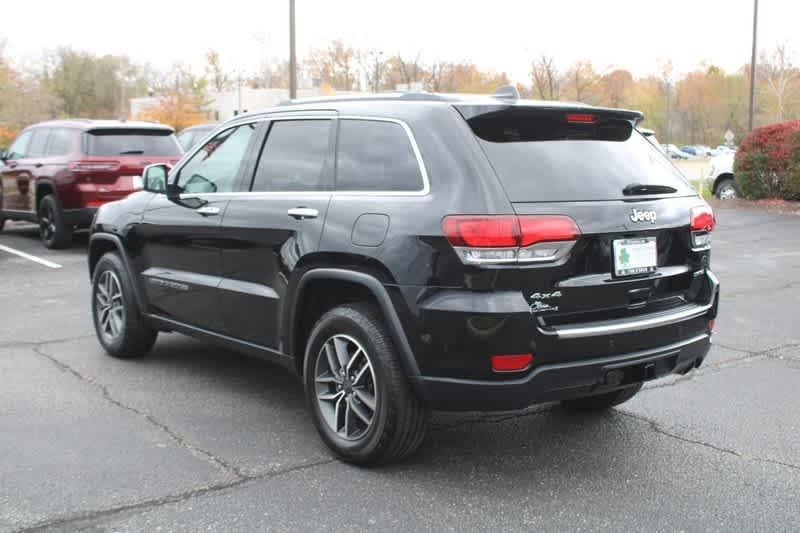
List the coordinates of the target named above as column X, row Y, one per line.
column 30, row 257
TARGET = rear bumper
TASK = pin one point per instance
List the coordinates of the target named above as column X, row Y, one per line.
column 78, row 217
column 563, row 381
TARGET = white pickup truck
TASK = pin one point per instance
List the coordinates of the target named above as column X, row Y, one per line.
column 720, row 177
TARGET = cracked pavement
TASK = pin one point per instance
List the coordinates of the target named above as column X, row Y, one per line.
column 197, row 438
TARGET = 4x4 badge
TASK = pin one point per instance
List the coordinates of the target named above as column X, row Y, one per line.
column 640, row 215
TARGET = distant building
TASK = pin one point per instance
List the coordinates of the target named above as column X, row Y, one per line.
column 226, row 104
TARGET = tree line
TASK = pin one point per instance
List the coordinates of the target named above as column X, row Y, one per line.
column 696, row 108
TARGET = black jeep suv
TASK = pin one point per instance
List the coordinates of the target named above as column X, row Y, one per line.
column 407, row 253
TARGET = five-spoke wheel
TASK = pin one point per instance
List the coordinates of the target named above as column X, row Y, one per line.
column 359, row 396
column 110, row 306
column 345, row 386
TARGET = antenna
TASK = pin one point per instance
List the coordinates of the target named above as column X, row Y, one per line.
column 506, row 92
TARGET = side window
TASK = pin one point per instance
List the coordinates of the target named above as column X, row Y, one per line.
column 293, row 156
column 38, row 142
column 375, row 156
column 214, row 167
column 19, row 148
column 60, row 142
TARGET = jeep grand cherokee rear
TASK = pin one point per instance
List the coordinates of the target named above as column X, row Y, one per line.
column 594, row 281
column 417, row 252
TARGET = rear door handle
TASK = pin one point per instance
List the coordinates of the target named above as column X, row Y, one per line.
column 303, row 212
column 208, row 210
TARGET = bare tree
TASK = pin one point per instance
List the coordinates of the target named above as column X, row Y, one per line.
column 373, row 66
column 579, row 80
column 781, row 77
column 217, row 75
column 546, row 82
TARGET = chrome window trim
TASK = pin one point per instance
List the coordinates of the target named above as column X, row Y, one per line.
column 426, row 187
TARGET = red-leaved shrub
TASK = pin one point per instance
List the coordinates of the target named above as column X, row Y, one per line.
column 763, row 164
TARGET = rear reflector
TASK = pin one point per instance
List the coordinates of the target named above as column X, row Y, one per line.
column 711, row 324
column 512, row 362
column 486, row 239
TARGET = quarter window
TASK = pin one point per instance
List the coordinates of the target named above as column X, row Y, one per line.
column 293, row 157
column 214, row 167
column 375, row 155
column 60, row 142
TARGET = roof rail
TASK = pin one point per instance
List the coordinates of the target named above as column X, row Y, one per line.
column 506, row 92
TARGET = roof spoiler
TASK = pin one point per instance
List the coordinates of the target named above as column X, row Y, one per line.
column 506, row 92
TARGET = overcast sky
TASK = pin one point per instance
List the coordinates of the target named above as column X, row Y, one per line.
column 503, row 35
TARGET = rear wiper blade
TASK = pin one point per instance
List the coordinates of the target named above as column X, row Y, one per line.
column 641, row 188
column 132, row 152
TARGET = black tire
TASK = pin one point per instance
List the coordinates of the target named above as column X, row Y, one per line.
column 399, row 419
column 133, row 338
column 2, row 223
column 603, row 401
column 52, row 230
column 727, row 189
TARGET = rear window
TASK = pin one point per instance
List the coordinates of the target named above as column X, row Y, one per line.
column 131, row 142
column 540, row 155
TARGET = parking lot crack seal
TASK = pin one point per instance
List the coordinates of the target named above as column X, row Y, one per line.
column 176, row 437
column 728, row 451
column 89, row 518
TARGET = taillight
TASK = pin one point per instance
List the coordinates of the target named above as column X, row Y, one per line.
column 496, row 239
column 87, row 167
column 701, row 222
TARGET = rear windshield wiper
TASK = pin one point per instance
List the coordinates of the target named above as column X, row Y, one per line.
column 132, row 152
column 641, row 188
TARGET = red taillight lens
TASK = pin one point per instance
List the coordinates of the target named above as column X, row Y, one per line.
column 512, row 363
column 482, row 232
column 702, row 218
column 581, row 118
column 548, row 228
column 498, row 239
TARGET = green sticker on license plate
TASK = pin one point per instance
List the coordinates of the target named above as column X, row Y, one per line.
column 635, row 256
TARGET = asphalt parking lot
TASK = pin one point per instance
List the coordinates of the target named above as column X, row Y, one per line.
column 197, row 438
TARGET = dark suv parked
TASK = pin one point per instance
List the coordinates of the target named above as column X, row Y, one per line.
column 58, row 173
column 417, row 252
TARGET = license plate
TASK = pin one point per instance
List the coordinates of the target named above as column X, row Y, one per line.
column 137, row 182
column 635, row 256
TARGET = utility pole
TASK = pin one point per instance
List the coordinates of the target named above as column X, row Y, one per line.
column 669, row 126
column 753, row 67
column 292, row 55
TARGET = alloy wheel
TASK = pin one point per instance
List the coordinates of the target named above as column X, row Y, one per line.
column 345, row 387
column 47, row 222
column 727, row 192
column 109, row 306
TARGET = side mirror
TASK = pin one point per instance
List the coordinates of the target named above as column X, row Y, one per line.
column 154, row 178
column 4, row 156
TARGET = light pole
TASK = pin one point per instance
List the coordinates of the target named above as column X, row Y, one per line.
column 292, row 55
column 753, row 67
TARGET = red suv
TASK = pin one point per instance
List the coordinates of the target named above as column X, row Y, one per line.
column 58, row 173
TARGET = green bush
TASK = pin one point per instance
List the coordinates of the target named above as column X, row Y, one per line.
column 764, row 166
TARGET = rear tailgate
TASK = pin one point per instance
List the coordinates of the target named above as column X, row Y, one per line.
column 114, row 159
column 593, row 166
